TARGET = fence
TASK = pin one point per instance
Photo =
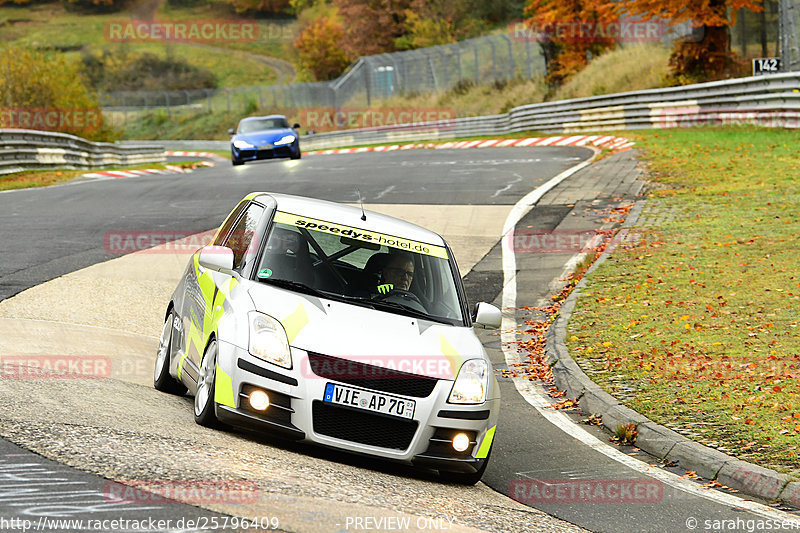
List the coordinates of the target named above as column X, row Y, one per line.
column 28, row 150
column 483, row 60
column 766, row 101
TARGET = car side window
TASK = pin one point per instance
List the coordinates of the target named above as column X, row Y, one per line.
column 240, row 240
column 228, row 224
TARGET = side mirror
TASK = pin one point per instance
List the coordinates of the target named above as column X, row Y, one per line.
column 231, row 131
column 219, row 258
column 296, row 126
column 487, row 316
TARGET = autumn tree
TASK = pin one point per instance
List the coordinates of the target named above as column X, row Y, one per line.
column 707, row 53
column 319, row 49
column 570, row 32
column 34, row 81
column 372, row 26
column 435, row 22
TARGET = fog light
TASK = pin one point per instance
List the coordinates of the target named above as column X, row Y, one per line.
column 460, row 442
column 259, row 400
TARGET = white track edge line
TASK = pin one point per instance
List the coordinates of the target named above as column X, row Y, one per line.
column 559, row 419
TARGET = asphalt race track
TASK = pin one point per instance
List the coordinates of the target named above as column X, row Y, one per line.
column 93, row 426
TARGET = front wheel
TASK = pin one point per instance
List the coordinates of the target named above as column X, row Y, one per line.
column 236, row 163
column 161, row 379
column 297, row 155
column 204, row 397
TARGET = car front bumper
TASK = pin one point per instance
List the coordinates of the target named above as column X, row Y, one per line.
column 298, row 412
column 259, row 154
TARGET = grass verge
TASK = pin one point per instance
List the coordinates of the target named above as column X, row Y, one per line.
column 44, row 178
column 695, row 325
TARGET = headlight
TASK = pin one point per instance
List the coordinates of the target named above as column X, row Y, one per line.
column 471, row 383
column 286, row 139
column 242, row 145
column 268, row 340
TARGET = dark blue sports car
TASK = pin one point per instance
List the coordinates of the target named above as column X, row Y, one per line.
column 264, row 138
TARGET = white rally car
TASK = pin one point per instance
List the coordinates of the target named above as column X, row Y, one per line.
column 328, row 324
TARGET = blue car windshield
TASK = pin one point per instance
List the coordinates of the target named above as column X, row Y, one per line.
column 249, row 126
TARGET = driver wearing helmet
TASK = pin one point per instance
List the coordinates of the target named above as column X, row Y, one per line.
column 397, row 274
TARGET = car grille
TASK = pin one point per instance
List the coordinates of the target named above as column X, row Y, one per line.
column 362, row 427
column 361, row 375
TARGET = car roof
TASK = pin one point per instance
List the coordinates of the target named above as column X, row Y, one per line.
column 351, row 216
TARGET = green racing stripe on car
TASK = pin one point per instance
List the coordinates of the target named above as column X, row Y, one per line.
column 223, row 389
column 486, row 445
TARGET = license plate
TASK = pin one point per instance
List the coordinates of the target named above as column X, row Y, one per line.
column 369, row 401
column 266, row 147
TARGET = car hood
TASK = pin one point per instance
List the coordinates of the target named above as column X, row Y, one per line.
column 264, row 136
column 369, row 336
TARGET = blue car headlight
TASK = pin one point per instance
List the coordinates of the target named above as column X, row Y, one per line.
column 242, row 144
column 286, row 139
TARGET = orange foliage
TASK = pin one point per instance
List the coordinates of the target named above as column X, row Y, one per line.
column 706, row 57
column 319, row 49
column 566, row 45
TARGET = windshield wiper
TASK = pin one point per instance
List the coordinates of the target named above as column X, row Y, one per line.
column 408, row 310
column 295, row 286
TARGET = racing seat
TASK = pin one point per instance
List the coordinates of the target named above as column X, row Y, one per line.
column 287, row 256
column 370, row 274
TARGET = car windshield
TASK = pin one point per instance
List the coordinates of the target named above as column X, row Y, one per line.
column 249, row 126
column 371, row 269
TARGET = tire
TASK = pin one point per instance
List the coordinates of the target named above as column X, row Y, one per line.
column 459, row 478
column 161, row 378
column 204, row 397
column 236, row 163
column 298, row 155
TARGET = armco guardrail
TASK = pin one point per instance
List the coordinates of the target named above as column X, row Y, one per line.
column 30, row 150
column 762, row 100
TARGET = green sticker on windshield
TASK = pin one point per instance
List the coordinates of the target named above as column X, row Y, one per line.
column 264, row 273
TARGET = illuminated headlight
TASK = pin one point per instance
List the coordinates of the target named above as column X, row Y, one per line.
column 268, row 340
column 471, row 383
column 286, row 139
column 242, row 145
